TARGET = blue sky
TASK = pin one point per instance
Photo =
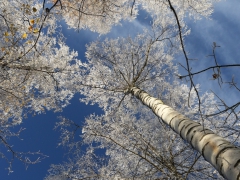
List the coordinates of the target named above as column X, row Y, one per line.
column 223, row 28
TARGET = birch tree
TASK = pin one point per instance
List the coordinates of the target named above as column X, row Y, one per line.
column 116, row 74
column 216, row 150
column 223, row 155
column 38, row 71
column 138, row 146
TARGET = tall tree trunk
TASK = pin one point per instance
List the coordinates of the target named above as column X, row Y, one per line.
column 223, row 155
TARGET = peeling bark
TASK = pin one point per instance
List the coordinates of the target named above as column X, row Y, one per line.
column 224, row 156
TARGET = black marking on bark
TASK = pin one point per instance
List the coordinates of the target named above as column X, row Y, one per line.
column 223, row 143
column 237, row 163
column 182, row 121
column 220, row 170
column 140, row 92
column 158, row 102
column 163, row 110
column 222, row 151
column 146, row 97
column 162, row 116
column 205, row 135
column 170, row 123
column 136, row 93
column 181, row 131
column 238, row 177
column 156, row 109
column 190, row 129
column 204, row 149
column 205, row 129
column 148, row 101
column 189, row 124
column 192, row 137
column 155, row 106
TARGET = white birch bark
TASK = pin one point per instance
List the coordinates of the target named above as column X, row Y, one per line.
column 223, row 155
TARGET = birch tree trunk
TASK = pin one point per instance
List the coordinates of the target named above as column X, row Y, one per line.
column 223, row 155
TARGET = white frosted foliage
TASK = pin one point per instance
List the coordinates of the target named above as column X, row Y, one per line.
column 36, row 69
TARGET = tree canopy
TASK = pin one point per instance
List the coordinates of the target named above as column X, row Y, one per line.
column 40, row 73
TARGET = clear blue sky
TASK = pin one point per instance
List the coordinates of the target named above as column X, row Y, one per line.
column 224, row 29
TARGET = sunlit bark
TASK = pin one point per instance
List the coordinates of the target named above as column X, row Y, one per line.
column 224, row 156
